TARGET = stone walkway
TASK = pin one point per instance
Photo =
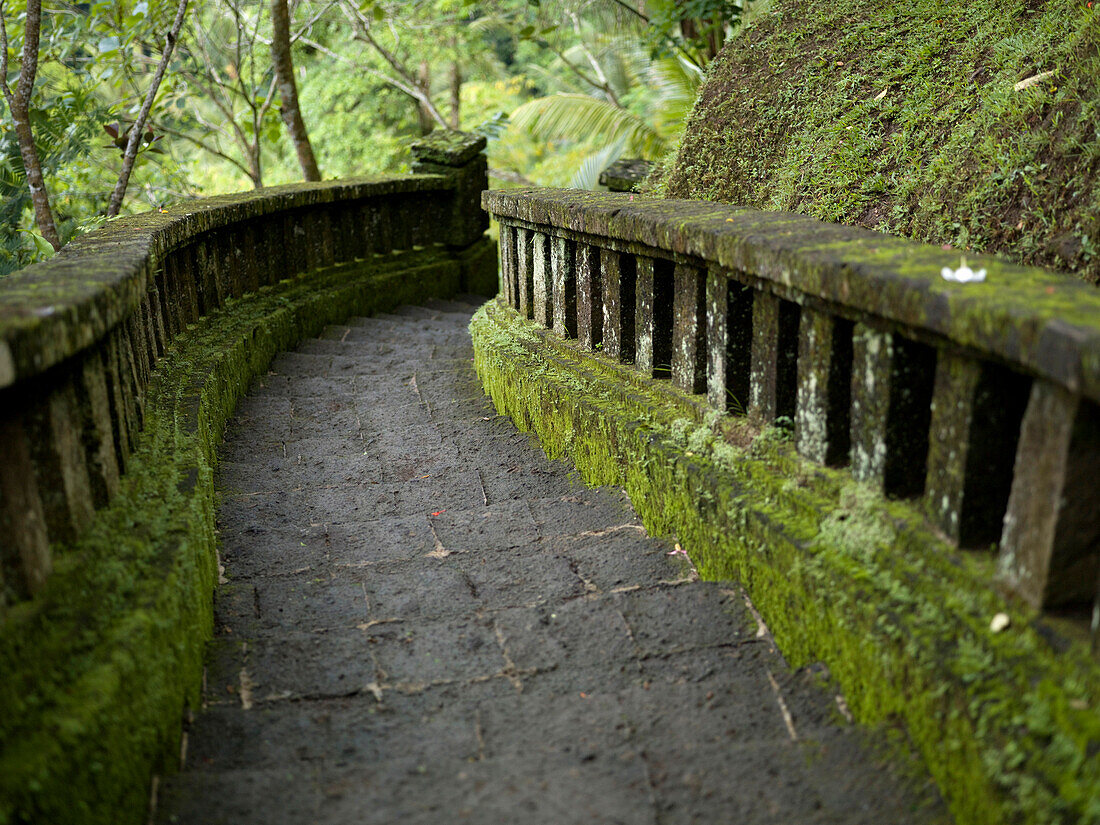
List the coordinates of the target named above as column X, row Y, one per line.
column 424, row 620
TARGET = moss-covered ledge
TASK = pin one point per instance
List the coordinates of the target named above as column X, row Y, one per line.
column 1008, row 722
column 99, row 666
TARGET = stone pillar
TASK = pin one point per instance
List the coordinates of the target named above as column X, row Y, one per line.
column 689, row 330
column 1052, row 528
column 461, row 157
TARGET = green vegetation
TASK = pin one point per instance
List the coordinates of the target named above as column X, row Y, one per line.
column 969, row 124
column 561, row 88
column 1008, row 721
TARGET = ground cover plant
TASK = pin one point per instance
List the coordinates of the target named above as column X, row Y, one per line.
column 974, row 124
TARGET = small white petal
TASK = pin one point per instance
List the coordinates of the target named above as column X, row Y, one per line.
column 999, row 623
column 947, row 273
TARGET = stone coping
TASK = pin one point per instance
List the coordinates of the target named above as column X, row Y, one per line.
column 1046, row 323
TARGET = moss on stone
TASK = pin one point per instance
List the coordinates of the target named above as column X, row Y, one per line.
column 1008, row 723
column 98, row 668
column 908, row 118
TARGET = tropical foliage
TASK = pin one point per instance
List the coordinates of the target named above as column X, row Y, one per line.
column 561, row 88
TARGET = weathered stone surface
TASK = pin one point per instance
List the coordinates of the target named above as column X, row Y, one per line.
column 507, row 246
column 25, row 558
column 563, row 263
column 976, row 413
column 589, row 296
column 543, row 280
column 55, row 430
column 618, row 277
column 765, row 354
column 689, row 329
column 625, row 174
column 97, row 429
column 525, row 273
column 447, row 148
column 653, row 309
column 1042, row 321
column 822, row 426
column 872, row 368
column 1049, row 549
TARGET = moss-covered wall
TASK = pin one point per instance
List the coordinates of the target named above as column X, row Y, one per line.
column 964, row 123
column 97, row 669
column 1008, row 722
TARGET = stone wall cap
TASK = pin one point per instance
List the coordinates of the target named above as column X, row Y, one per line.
column 54, row 309
column 448, row 147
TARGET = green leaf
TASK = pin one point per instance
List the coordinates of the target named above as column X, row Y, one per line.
column 43, row 248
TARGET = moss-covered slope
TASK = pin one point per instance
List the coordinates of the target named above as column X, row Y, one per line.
column 910, row 118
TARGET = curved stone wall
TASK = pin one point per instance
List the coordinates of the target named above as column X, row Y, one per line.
column 120, row 362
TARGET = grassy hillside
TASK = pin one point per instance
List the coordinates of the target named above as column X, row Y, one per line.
column 911, row 118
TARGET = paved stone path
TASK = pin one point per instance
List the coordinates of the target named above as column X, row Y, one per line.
column 426, row 621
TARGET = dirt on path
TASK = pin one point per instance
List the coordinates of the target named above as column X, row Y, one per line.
column 423, row 620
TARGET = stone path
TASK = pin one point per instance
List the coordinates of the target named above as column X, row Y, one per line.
column 426, row 621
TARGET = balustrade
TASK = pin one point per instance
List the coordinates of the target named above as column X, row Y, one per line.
column 978, row 402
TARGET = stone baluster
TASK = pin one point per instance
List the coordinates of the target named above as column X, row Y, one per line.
column 563, row 269
column 729, row 342
column 1050, row 546
column 55, row 428
column 892, row 385
column 507, row 244
column 542, row 280
column 689, row 329
column 25, row 557
column 977, row 408
column 589, row 296
column 653, row 305
column 617, row 272
column 822, row 427
column 525, row 273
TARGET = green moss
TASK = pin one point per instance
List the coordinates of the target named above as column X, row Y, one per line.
column 905, row 118
column 97, row 670
column 1008, row 726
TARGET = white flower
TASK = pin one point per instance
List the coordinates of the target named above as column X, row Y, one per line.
column 1000, row 622
column 963, row 274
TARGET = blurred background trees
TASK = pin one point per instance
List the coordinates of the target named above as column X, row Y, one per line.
column 560, row 87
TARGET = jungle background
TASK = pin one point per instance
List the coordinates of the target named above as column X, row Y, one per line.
column 561, row 88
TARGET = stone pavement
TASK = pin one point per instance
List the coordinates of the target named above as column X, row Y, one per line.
column 423, row 620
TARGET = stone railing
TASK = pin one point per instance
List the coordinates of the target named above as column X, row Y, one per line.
column 978, row 401
column 81, row 334
column 121, row 360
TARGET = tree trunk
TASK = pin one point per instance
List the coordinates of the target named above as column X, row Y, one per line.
column 424, row 81
column 134, row 143
column 288, row 90
column 19, row 103
column 456, row 95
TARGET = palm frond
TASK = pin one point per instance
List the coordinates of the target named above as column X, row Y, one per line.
column 587, row 175
column 580, row 118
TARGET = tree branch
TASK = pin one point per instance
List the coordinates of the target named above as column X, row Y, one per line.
column 130, row 155
column 19, row 104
